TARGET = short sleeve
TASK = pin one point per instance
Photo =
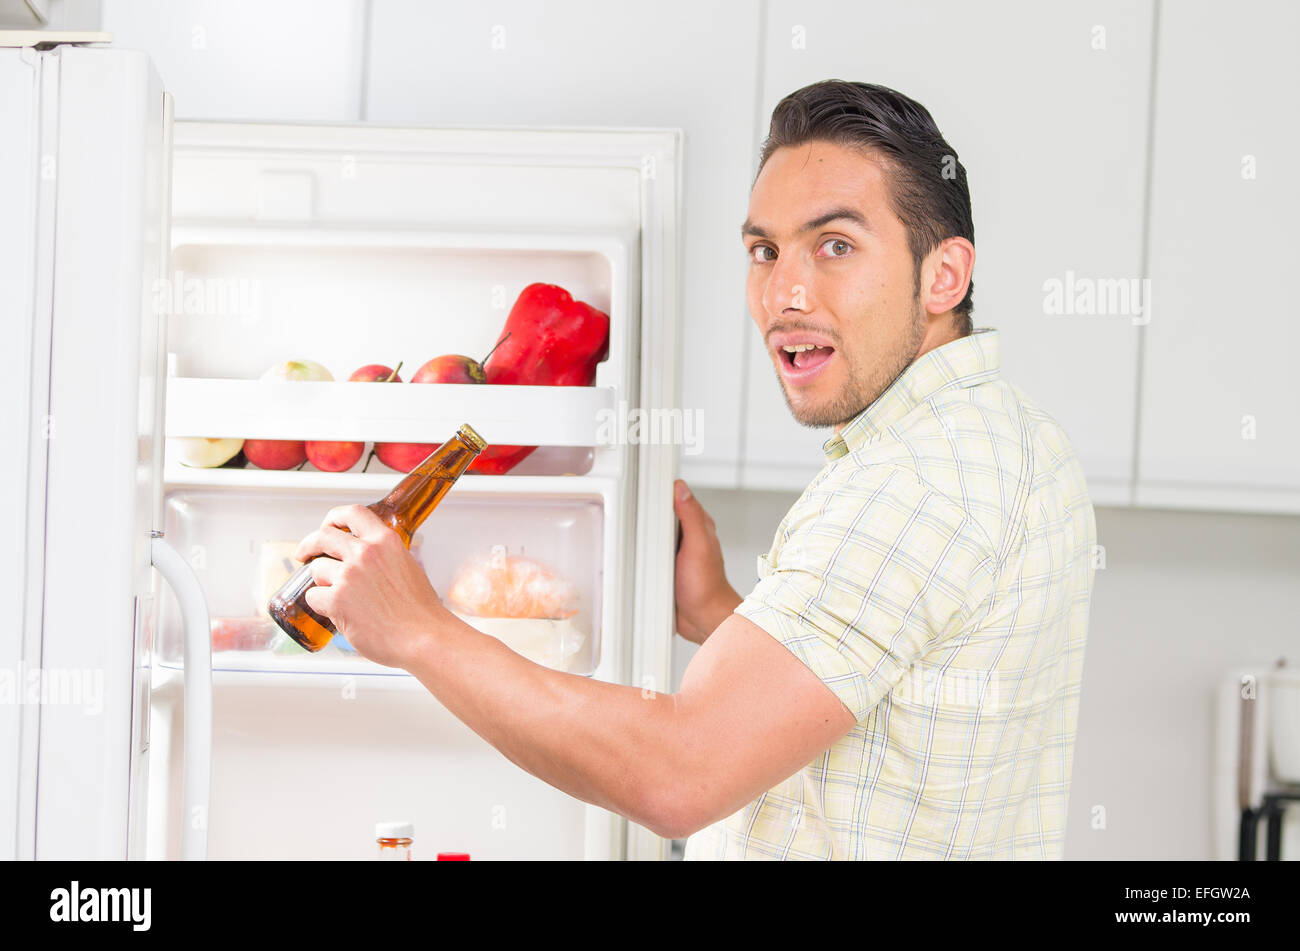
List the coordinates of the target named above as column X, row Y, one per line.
column 871, row 569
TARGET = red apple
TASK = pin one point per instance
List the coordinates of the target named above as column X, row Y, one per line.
column 375, row 373
column 332, row 455
column 275, row 453
column 403, row 456
column 338, row 456
column 451, row 368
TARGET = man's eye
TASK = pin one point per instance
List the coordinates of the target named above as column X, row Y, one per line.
column 838, row 247
column 760, row 254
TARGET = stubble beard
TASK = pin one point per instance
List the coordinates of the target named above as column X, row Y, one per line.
column 859, row 392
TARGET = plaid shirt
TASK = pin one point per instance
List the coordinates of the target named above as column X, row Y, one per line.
column 936, row 575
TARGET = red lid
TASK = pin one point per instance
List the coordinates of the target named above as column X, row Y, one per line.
column 453, row 856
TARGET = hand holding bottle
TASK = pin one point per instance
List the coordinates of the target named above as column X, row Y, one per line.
column 401, row 513
column 369, row 585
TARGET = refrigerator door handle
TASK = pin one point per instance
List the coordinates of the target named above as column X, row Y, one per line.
column 198, row 696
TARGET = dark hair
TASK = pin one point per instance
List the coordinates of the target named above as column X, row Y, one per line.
column 928, row 189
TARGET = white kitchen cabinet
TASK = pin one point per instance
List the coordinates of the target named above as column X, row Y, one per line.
column 243, row 59
column 1220, row 425
column 685, row 64
column 1047, row 107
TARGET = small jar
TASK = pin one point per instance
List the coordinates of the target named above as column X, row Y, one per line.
column 394, row 840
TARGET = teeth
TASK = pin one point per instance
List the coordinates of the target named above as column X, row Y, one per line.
column 800, row 347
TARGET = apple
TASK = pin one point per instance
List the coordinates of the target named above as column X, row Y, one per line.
column 329, row 455
column 298, row 371
column 284, row 453
column 451, row 368
column 275, row 453
column 336, row 455
column 375, row 373
column 203, row 453
column 403, row 456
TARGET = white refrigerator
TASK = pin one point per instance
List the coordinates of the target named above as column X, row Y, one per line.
column 150, row 271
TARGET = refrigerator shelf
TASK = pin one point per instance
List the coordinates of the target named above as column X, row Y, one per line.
column 337, row 676
column 377, row 484
column 503, row 415
column 543, row 557
column 553, row 643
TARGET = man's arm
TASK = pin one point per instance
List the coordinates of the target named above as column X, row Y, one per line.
column 749, row 713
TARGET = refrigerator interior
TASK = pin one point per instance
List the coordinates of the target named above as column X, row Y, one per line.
column 276, row 255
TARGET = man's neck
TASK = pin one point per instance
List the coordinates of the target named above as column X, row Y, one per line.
column 941, row 330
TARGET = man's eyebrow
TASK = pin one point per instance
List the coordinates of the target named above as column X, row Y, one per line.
column 834, row 214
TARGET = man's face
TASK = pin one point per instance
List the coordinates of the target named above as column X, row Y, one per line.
column 830, row 269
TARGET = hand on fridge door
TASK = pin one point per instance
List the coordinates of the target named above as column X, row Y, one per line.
column 370, row 585
column 703, row 595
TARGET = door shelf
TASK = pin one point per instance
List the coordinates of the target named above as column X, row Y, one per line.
column 503, row 415
column 360, row 675
column 375, row 485
column 526, row 569
column 557, row 644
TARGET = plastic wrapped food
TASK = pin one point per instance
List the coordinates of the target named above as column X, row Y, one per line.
column 501, row 585
column 242, row 633
column 551, row 643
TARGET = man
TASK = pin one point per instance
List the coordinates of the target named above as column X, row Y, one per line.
column 903, row 681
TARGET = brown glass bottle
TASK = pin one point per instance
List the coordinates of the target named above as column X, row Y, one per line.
column 402, row 510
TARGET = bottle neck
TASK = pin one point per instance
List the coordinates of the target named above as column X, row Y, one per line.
column 409, row 503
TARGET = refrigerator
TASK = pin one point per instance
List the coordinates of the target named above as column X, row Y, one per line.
column 152, row 271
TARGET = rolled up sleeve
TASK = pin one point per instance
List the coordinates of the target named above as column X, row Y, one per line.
column 870, row 570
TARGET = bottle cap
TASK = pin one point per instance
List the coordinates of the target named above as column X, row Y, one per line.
column 471, row 438
column 453, row 856
column 394, row 830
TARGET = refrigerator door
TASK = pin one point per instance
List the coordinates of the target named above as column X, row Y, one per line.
column 25, row 226
column 90, row 180
column 356, row 244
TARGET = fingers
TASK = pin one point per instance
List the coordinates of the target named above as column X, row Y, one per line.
column 689, row 511
column 321, row 599
column 328, row 540
column 358, row 520
column 326, row 571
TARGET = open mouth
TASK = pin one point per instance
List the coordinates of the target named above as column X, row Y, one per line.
column 800, row 362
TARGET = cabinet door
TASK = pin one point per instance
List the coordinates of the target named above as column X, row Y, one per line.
column 1220, row 394
column 1047, row 108
column 690, row 65
column 240, row 59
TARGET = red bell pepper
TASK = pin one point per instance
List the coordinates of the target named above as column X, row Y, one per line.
column 553, row 340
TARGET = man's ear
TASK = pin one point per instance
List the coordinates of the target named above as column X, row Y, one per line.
column 946, row 275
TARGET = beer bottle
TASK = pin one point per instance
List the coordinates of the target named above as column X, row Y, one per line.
column 402, row 510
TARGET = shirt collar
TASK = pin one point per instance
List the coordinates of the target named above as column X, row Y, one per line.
column 967, row 361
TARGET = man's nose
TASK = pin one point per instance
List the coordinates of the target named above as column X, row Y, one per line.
column 788, row 288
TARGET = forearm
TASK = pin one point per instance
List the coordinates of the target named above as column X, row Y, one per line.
column 607, row 744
